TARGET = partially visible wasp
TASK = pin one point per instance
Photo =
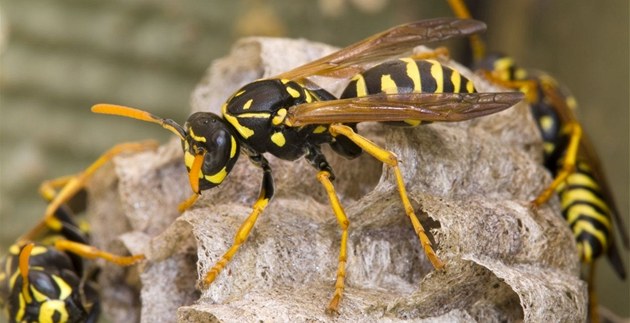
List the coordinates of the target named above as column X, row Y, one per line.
column 290, row 117
column 44, row 278
column 587, row 203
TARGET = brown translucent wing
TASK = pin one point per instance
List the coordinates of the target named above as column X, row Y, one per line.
column 587, row 153
column 392, row 42
column 398, row 107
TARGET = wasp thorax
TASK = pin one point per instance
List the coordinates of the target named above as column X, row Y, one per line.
column 209, row 135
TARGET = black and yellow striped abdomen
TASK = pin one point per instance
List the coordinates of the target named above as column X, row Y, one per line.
column 587, row 213
column 407, row 75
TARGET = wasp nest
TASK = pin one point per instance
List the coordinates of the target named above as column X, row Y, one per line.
column 470, row 183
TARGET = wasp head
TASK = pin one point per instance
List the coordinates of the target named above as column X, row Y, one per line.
column 210, row 146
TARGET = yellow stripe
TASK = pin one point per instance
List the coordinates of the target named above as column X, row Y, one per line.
column 13, row 279
column 546, row 122
column 14, row 250
column 583, row 180
column 39, row 297
column 233, row 148
column 20, row 313
column 48, row 309
column 590, row 229
column 549, row 147
column 438, row 75
column 319, row 129
column 412, row 123
column 197, row 138
column 38, row 250
column 293, row 92
column 388, row 85
column 502, row 67
column 586, row 210
column 581, row 194
column 279, row 117
column 188, row 159
column 456, row 80
column 248, row 104
column 239, row 93
column 278, row 139
column 470, row 88
column 244, row 131
column 255, row 115
column 3, row 276
column 308, row 96
column 360, row 85
column 413, row 73
column 64, row 289
column 520, row 74
column 218, row 177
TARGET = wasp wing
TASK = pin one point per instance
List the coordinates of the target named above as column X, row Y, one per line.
column 398, row 107
column 350, row 60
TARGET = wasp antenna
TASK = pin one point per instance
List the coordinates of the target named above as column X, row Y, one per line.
column 119, row 110
column 25, row 256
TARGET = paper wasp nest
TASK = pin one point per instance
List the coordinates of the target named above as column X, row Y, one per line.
column 470, row 183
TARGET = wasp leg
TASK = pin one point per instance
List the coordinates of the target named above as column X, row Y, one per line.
column 593, row 313
column 75, row 183
column 389, row 158
column 439, row 52
column 48, row 189
column 568, row 163
column 324, row 178
column 477, row 45
column 266, row 193
column 529, row 87
column 90, row 252
column 183, row 206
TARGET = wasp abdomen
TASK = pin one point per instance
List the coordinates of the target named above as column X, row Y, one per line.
column 587, row 213
column 407, row 75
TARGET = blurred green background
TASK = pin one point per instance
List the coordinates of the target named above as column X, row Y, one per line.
column 60, row 57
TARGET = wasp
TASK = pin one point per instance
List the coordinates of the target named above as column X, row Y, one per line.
column 578, row 179
column 290, row 117
column 44, row 277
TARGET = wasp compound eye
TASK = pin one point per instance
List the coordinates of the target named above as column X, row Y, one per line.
column 209, row 135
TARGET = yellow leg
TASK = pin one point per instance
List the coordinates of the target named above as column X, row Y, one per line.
column 241, row 236
column 477, row 45
column 324, row 178
column 188, row 203
column 568, row 163
column 48, row 189
column 592, row 295
column 73, row 184
column 389, row 158
column 435, row 53
column 90, row 252
column 529, row 87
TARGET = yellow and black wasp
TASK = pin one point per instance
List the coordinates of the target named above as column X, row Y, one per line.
column 44, row 277
column 290, row 117
column 586, row 201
